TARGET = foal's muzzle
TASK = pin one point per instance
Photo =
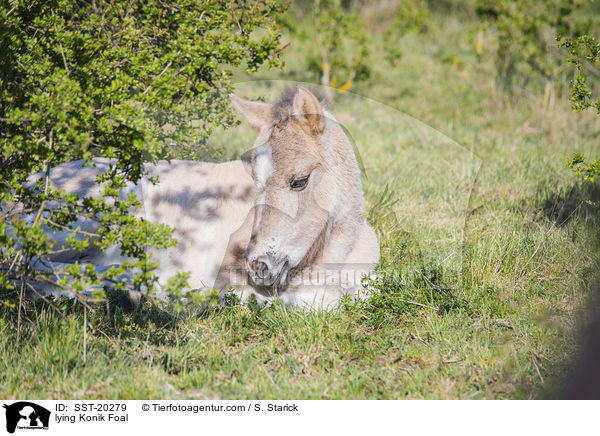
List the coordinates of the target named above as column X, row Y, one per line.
column 267, row 270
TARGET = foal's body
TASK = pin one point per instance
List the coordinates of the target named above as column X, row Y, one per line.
column 289, row 224
column 204, row 202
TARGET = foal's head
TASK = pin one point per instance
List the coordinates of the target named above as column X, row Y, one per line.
column 295, row 180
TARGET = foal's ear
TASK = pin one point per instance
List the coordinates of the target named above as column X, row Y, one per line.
column 255, row 112
column 308, row 109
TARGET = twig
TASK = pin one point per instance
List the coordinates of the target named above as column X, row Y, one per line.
column 13, row 262
column 78, row 297
column 47, row 181
column 106, row 336
column 83, row 303
column 164, row 70
column 537, row 369
column 151, row 353
column 419, row 304
column 12, row 120
column 15, row 213
column 572, row 212
column 84, row 333
column 157, row 76
column 62, row 52
column 437, row 288
column 236, row 19
column 536, row 251
column 49, row 221
column 409, row 302
column 44, row 298
column 19, row 316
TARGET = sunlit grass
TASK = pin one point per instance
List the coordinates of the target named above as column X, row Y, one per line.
column 490, row 313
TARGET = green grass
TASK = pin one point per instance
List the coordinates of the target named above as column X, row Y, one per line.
column 490, row 234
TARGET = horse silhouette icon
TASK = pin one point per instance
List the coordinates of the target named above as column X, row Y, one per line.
column 31, row 415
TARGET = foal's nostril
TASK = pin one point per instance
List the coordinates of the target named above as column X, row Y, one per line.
column 265, row 271
column 262, row 269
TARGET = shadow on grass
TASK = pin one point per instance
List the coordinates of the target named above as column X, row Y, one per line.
column 582, row 379
column 117, row 316
column 576, row 202
column 396, row 293
column 153, row 334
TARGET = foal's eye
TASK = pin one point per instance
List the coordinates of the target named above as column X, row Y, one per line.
column 298, row 183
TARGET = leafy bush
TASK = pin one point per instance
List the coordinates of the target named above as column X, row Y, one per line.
column 337, row 51
column 337, row 35
column 409, row 16
column 526, row 30
column 129, row 80
column 589, row 170
column 584, row 53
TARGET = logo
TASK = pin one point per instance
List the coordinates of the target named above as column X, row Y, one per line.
column 26, row 415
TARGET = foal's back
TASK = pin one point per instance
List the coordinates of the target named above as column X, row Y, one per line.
column 204, row 202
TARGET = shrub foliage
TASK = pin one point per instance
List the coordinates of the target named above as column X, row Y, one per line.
column 526, row 31
column 129, row 80
column 584, row 54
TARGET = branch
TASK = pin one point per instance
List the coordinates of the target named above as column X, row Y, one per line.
column 83, row 232
column 44, row 298
column 15, row 119
column 15, row 213
column 157, row 76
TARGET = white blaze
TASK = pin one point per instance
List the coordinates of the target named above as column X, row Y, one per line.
column 263, row 165
column 263, row 169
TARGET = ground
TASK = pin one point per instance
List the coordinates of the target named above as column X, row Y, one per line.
column 499, row 319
